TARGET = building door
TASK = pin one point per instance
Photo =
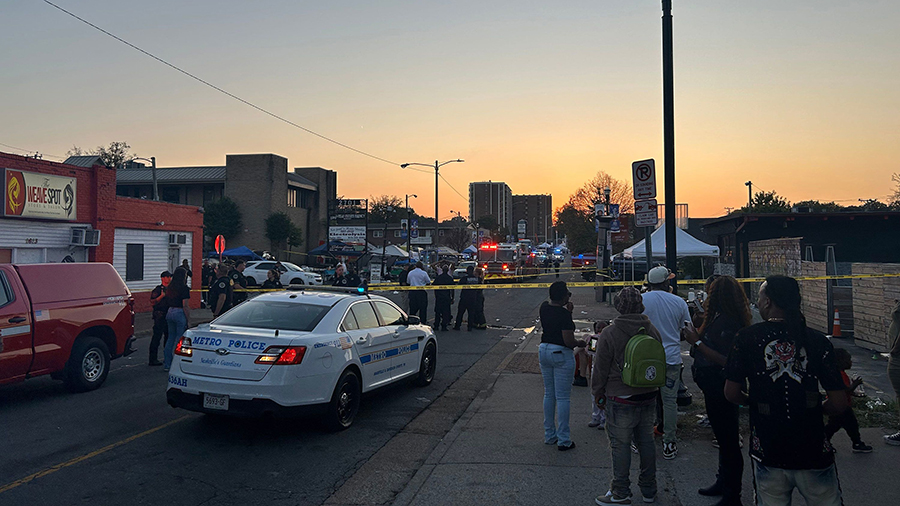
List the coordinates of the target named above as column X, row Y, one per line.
column 174, row 258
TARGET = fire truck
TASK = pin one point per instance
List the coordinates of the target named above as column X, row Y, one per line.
column 498, row 260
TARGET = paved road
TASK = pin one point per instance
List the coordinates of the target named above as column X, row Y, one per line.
column 122, row 444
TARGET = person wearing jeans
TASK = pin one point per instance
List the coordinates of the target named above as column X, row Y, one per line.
column 557, row 364
column 178, row 297
column 630, row 411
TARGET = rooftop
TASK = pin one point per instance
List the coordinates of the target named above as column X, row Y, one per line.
column 171, row 175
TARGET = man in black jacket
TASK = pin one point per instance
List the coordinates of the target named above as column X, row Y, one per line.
column 443, row 299
column 160, row 327
column 468, row 300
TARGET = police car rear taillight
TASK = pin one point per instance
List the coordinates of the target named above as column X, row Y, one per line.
column 282, row 355
column 183, row 347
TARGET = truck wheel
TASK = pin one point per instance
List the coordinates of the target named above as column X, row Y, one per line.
column 427, row 366
column 88, row 365
column 344, row 402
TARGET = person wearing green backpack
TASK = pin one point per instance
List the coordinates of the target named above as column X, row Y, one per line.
column 629, row 365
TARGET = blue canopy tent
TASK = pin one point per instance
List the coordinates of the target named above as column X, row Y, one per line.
column 242, row 252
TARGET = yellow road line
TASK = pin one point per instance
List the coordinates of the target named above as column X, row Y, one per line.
column 76, row 460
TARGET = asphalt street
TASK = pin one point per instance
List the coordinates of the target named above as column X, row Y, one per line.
column 122, row 444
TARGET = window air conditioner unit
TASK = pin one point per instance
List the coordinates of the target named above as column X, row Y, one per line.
column 91, row 237
column 77, row 238
column 177, row 239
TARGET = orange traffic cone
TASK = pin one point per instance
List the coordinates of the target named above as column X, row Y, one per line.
column 836, row 327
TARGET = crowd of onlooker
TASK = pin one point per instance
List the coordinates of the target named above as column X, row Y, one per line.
column 777, row 369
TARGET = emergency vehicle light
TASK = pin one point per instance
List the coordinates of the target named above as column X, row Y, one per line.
column 282, row 355
column 488, row 246
column 183, row 347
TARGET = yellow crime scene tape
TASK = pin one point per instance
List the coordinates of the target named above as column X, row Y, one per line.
column 383, row 287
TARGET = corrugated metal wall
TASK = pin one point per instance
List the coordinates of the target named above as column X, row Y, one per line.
column 156, row 254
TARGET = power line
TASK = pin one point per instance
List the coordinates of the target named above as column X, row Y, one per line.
column 30, row 151
column 451, row 187
column 220, row 90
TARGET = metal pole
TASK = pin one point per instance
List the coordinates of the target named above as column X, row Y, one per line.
column 408, row 231
column 436, row 217
column 749, row 195
column 153, row 172
column 669, row 139
column 648, row 247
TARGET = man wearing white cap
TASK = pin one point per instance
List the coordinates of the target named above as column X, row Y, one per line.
column 668, row 312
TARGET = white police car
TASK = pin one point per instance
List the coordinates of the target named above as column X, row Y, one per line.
column 300, row 351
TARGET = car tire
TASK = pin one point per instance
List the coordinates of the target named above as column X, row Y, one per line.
column 297, row 281
column 251, row 282
column 427, row 365
column 344, row 402
column 88, row 364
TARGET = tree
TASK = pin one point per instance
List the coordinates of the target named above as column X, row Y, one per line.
column 768, row 202
column 222, row 217
column 488, row 222
column 578, row 227
column 386, row 209
column 820, row 207
column 592, row 191
column 895, row 197
column 112, row 156
column 457, row 238
column 281, row 231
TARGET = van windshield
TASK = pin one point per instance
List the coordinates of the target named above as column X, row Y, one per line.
column 274, row 315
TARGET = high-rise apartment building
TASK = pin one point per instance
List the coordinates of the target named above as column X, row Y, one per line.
column 537, row 211
column 494, row 199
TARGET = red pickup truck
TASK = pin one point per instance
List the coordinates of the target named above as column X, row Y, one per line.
column 66, row 320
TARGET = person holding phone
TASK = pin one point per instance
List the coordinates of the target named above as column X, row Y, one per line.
column 726, row 311
column 557, row 364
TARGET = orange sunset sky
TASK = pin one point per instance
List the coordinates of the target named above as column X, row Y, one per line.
column 800, row 97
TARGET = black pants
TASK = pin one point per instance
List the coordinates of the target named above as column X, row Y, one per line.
column 465, row 305
column 442, row 316
column 845, row 420
column 418, row 303
column 160, row 334
column 724, row 418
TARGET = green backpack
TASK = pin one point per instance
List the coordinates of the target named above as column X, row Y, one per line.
column 645, row 362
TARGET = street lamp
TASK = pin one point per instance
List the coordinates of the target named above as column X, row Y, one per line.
column 408, row 229
column 437, row 165
column 152, row 161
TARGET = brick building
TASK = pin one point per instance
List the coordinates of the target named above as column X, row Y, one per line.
column 537, row 211
column 491, row 198
column 59, row 212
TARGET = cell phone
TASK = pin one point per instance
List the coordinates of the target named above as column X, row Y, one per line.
column 592, row 344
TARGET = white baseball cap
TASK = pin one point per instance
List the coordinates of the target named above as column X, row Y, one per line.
column 658, row 275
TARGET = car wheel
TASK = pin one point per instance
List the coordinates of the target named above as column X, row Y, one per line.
column 297, row 281
column 251, row 282
column 344, row 402
column 427, row 366
column 88, row 365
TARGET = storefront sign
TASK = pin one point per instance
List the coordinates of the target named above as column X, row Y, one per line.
column 348, row 235
column 33, row 195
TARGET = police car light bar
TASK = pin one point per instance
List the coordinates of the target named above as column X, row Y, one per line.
column 351, row 290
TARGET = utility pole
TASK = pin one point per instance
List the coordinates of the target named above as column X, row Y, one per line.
column 437, row 219
column 749, row 185
column 669, row 139
column 408, row 228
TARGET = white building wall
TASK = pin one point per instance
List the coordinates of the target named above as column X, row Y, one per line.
column 34, row 242
column 158, row 255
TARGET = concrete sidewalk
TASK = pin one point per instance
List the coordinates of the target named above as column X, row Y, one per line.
column 494, row 454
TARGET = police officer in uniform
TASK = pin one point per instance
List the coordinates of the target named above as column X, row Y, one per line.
column 443, row 299
column 468, row 300
column 160, row 327
column 238, row 282
column 221, row 294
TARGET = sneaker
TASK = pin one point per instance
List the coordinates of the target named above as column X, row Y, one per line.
column 155, row 363
column 580, row 381
column 861, row 448
column 669, row 451
column 595, row 423
column 609, row 498
column 565, row 448
column 893, row 439
column 648, row 500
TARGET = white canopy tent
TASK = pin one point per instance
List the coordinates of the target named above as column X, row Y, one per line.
column 390, row 250
column 686, row 244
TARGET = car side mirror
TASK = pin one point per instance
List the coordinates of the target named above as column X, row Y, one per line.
column 412, row 320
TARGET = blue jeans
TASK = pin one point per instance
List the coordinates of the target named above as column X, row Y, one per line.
column 177, row 322
column 626, row 423
column 670, row 401
column 774, row 486
column 558, row 369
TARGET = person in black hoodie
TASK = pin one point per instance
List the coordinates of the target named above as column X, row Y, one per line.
column 443, row 299
column 468, row 300
column 726, row 311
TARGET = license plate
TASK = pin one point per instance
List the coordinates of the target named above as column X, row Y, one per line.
column 215, row 401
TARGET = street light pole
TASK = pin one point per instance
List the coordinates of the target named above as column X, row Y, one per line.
column 152, row 161
column 408, row 228
column 437, row 165
column 749, row 185
column 669, row 138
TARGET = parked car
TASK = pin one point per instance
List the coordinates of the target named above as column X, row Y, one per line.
column 460, row 271
column 66, row 320
column 255, row 272
column 301, row 351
